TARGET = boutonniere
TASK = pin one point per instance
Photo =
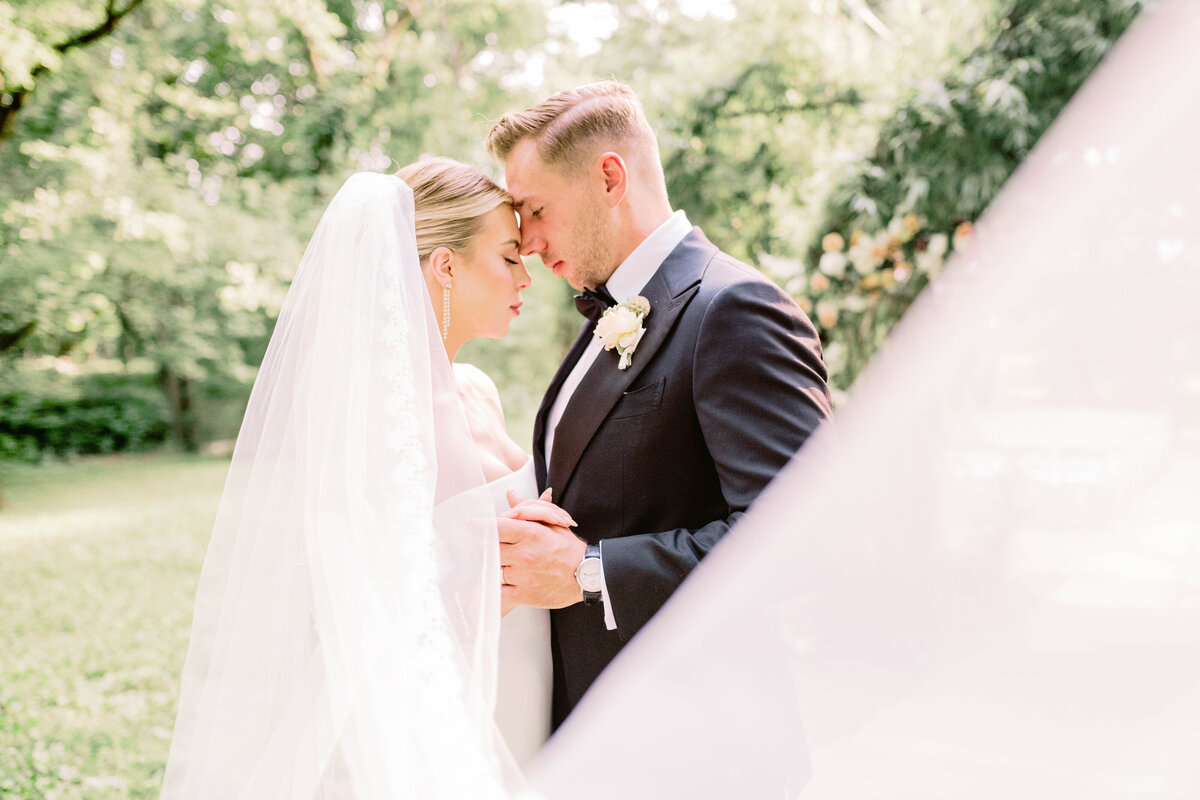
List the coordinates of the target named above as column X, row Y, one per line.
column 620, row 328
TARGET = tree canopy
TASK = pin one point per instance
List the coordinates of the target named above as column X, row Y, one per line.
column 164, row 161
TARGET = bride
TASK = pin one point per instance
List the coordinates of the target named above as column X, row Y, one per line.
column 347, row 633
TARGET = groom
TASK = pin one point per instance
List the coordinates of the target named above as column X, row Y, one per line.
column 657, row 445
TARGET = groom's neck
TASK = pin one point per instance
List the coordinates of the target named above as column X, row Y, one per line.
column 637, row 221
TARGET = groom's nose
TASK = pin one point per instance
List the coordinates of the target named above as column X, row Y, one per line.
column 532, row 242
column 532, row 245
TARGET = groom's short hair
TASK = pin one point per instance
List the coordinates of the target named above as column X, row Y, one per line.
column 575, row 124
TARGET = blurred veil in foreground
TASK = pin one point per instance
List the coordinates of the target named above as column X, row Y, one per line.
column 990, row 586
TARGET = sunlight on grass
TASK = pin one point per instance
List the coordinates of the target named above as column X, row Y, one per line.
column 98, row 567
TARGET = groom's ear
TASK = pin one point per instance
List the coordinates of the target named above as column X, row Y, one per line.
column 615, row 175
column 441, row 263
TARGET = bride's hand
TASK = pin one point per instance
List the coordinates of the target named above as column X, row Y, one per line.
column 537, row 510
column 539, row 553
column 526, row 509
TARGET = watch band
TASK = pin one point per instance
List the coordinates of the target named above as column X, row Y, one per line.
column 591, row 598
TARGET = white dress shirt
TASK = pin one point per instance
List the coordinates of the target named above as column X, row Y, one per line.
column 630, row 278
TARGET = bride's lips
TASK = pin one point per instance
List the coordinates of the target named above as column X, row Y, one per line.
column 516, row 309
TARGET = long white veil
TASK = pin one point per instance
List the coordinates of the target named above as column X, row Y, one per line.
column 992, row 588
column 344, row 643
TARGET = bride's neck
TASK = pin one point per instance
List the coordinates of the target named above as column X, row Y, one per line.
column 452, row 346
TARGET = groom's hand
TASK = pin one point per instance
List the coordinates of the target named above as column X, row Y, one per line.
column 539, row 554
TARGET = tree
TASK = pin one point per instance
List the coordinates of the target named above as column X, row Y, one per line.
column 757, row 104
column 158, row 202
column 27, row 56
column 940, row 158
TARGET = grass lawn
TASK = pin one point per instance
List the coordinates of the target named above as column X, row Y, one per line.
column 99, row 560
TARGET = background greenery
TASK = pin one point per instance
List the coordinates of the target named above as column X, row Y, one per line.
column 163, row 162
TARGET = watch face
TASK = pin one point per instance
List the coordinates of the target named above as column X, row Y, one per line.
column 589, row 575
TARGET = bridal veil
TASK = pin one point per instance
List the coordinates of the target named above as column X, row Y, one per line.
column 346, row 622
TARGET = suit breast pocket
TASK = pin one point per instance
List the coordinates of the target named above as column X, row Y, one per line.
column 636, row 403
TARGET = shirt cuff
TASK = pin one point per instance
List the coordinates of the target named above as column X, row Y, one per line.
column 610, row 619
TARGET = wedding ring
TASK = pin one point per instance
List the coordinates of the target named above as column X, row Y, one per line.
column 502, row 576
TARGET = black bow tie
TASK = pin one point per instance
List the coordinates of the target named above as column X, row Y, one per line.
column 592, row 303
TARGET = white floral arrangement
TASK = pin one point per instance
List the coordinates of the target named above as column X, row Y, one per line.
column 861, row 284
column 621, row 328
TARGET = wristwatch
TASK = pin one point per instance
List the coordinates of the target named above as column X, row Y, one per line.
column 588, row 575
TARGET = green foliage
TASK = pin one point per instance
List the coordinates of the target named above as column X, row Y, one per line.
column 46, row 413
column 940, row 159
column 735, row 160
column 160, row 183
column 161, row 178
column 756, row 117
column 950, row 146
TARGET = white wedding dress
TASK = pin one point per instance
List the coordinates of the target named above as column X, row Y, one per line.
column 526, row 672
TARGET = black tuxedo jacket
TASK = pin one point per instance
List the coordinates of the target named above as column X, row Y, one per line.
column 660, row 459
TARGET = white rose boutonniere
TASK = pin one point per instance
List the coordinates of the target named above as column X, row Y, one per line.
column 620, row 328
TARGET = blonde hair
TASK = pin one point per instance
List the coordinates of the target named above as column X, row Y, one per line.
column 451, row 199
column 571, row 126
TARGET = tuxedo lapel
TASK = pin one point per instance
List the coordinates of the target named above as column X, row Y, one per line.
column 668, row 292
column 560, row 377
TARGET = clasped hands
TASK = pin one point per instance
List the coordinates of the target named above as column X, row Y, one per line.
column 539, row 554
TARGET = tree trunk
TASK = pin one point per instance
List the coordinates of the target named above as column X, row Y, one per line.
column 183, row 418
column 8, row 112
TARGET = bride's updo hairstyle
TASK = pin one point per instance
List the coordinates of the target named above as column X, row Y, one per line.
column 451, row 199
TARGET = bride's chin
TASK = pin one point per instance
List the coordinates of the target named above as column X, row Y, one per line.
column 499, row 332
